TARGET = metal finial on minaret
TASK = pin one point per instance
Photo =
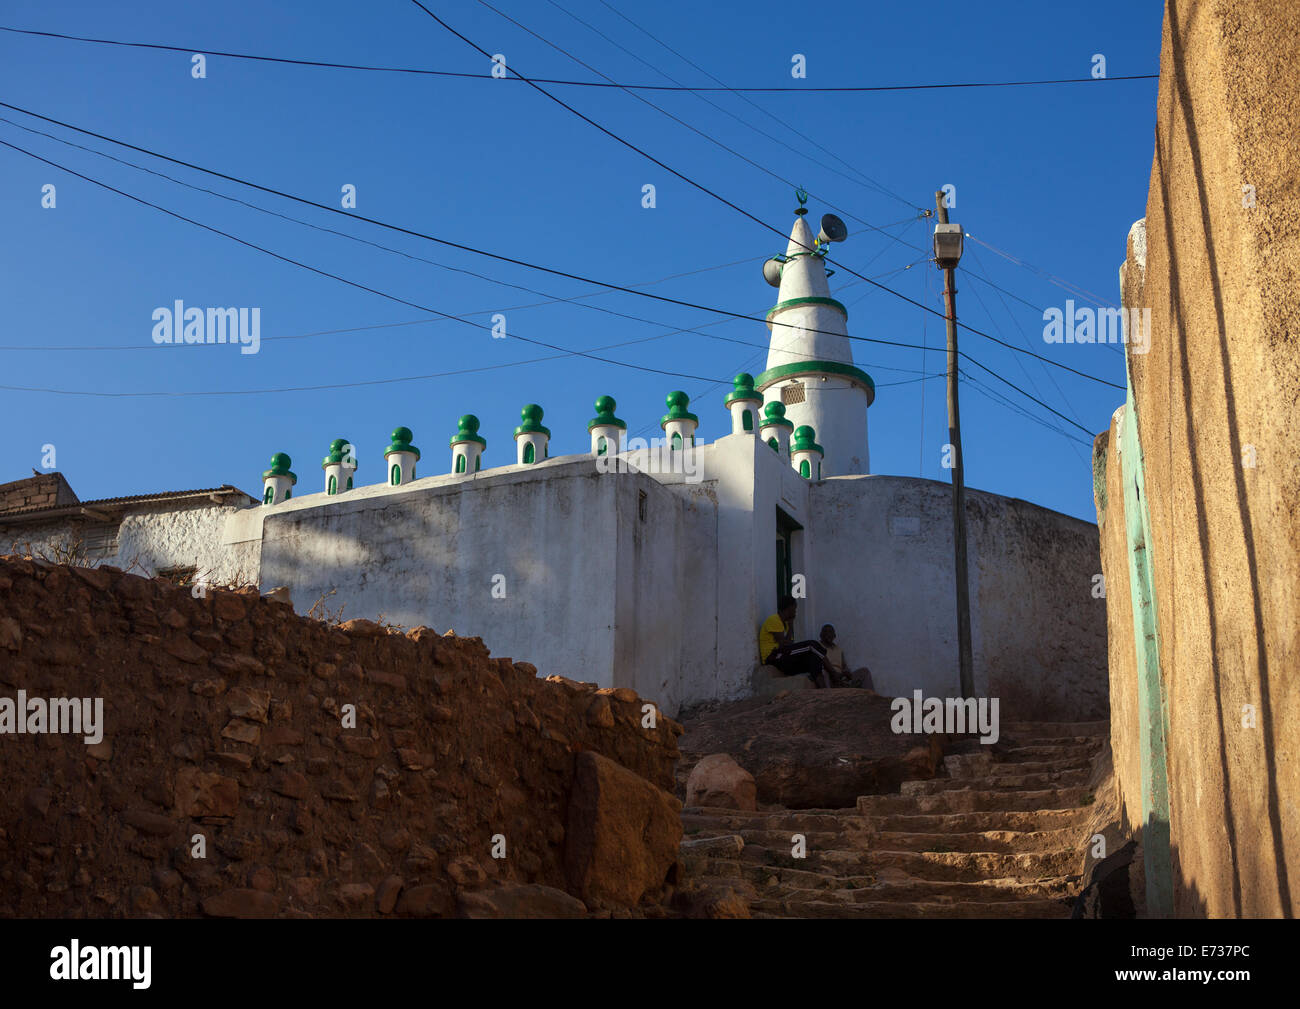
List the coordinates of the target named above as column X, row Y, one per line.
column 802, row 197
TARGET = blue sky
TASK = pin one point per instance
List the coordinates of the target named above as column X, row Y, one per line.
column 1051, row 175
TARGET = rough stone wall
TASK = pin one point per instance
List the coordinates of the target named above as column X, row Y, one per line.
column 1217, row 409
column 224, row 718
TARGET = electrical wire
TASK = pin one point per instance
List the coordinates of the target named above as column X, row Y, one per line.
column 420, row 71
column 740, row 210
column 424, row 308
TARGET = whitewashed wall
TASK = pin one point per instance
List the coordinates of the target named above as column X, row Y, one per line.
column 883, row 566
column 170, row 535
column 576, row 558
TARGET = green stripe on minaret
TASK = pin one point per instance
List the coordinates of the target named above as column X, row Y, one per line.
column 853, row 374
column 781, row 306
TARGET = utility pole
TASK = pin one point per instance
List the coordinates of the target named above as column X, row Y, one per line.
column 947, row 251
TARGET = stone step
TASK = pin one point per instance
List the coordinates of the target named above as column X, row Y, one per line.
column 1003, row 782
column 886, row 885
column 779, row 838
column 797, row 908
column 694, row 817
column 1056, row 728
column 905, row 889
column 963, row 823
column 1006, row 841
column 1039, row 767
column 956, row 866
column 1042, row 841
column 1096, row 742
column 1051, row 752
column 974, row 800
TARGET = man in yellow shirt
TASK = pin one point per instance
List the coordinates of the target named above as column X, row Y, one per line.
column 777, row 648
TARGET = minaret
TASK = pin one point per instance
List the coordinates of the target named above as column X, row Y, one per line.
column 810, row 366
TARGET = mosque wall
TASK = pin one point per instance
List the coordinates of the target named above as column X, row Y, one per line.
column 573, row 570
column 882, row 571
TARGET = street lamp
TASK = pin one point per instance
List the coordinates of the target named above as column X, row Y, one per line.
column 948, row 240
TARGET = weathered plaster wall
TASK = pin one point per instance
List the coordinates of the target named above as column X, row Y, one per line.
column 150, row 540
column 191, row 537
column 882, row 567
column 1217, row 409
column 575, row 560
column 1108, row 492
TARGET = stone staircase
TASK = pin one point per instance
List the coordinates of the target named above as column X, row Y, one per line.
column 999, row 837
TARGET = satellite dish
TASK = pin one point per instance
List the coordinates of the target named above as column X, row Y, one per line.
column 833, row 229
column 772, row 272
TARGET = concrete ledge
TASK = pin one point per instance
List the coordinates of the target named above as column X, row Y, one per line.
column 768, row 681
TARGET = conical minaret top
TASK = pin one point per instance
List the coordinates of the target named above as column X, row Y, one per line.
column 810, row 367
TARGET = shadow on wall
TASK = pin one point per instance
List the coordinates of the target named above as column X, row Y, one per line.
column 1197, row 465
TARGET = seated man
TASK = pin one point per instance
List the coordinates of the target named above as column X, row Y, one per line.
column 838, row 665
column 777, row 648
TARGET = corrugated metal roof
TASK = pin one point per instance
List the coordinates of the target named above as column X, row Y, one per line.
column 130, row 499
column 122, row 502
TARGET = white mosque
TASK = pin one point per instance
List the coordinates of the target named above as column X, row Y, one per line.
column 652, row 565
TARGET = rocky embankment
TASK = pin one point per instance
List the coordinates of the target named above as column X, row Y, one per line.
column 258, row 763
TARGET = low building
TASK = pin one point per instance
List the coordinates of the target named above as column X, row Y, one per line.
column 176, row 534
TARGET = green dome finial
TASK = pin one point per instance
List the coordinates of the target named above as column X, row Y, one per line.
column 339, row 454
column 743, row 390
column 774, row 414
column 280, row 463
column 532, row 421
column 605, row 407
column 467, row 430
column 401, row 442
column 805, row 439
column 677, row 402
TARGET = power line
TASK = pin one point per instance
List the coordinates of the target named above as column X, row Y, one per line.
column 534, row 266
column 998, row 398
column 335, row 276
column 870, row 185
column 391, row 297
column 421, row 71
column 550, row 300
column 677, row 119
column 564, row 352
column 803, row 136
column 740, row 210
column 1050, row 277
column 383, row 294
column 740, row 92
column 1050, row 377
